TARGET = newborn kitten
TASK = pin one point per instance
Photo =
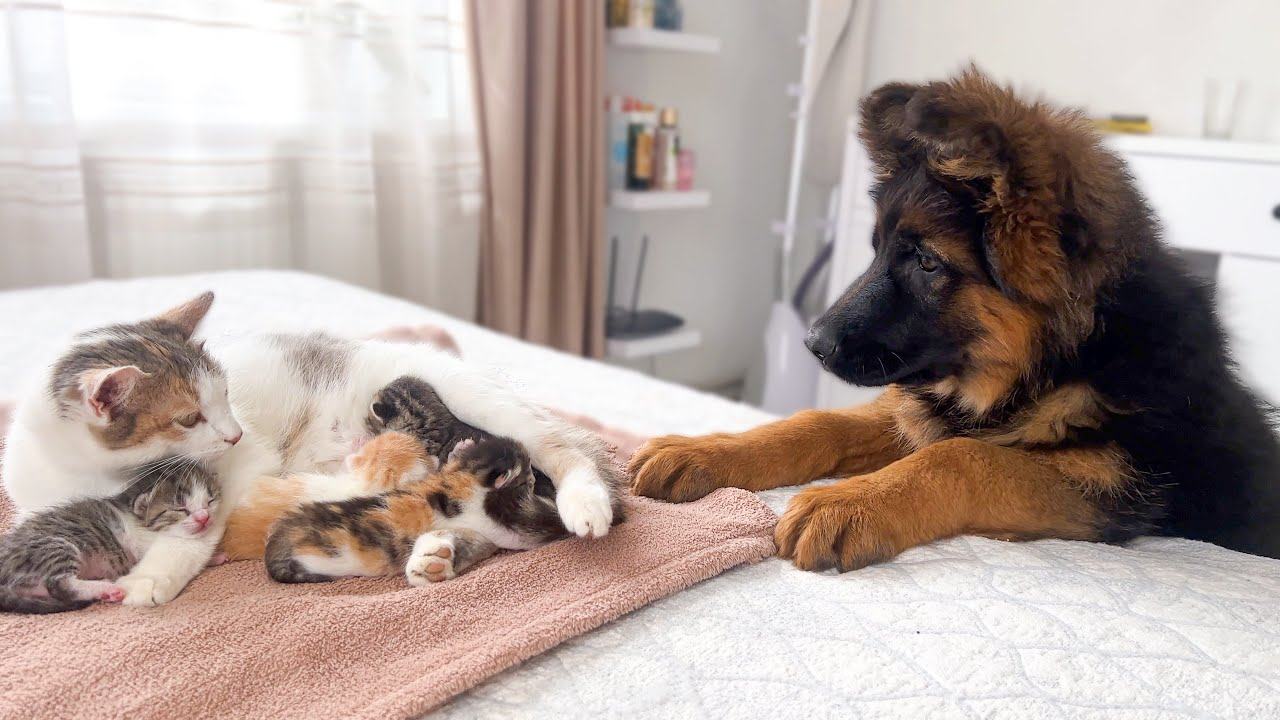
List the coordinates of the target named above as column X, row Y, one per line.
column 410, row 405
column 66, row 557
column 426, row 526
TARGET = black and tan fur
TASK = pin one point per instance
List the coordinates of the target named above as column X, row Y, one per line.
column 1052, row 369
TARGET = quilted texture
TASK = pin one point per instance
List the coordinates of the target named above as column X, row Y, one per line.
column 967, row 628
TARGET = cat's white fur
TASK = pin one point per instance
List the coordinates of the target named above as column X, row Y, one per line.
column 51, row 457
column 48, row 461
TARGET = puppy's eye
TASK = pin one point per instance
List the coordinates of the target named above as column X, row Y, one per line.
column 190, row 421
column 928, row 264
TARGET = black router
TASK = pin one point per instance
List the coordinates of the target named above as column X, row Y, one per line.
column 632, row 323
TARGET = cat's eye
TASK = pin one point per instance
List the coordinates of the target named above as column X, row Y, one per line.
column 190, row 421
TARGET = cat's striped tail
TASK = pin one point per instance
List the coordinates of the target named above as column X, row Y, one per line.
column 17, row 602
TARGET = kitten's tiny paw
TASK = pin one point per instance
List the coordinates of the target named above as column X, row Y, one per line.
column 147, row 591
column 138, row 591
column 113, row 594
column 432, row 560
column 219, row 558
column 584, row 508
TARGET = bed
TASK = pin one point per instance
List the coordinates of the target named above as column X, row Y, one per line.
column 968, row 627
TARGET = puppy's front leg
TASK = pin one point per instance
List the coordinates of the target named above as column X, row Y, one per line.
column 953, row 487
column 809, row 445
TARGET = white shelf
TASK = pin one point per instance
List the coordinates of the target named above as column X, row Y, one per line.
column 649, row 39
column 679, row 339
column 658, row 199
column 1209, row 149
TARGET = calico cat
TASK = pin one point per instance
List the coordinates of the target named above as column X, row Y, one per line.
column 67, row 557
column 425, row 526
column 120, row 397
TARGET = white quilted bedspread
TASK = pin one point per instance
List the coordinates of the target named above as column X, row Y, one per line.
column 967, row 628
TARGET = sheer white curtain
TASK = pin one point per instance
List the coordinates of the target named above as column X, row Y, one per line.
column 143, row 137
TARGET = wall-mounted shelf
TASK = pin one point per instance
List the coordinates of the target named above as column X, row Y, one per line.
column 658, row 199
column 679, row 339
column 649, row 39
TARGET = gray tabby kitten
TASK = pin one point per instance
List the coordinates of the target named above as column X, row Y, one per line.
column 66, row 557
column 410, row 405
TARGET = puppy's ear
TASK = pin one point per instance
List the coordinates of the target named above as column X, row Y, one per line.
column 1009, row 154
column 882, row 129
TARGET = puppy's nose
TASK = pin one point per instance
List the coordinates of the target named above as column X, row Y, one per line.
column 821, row 341
column 234, row 438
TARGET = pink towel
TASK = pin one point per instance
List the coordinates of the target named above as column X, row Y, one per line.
column 235, row 644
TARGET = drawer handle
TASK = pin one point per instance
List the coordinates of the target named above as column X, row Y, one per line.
column 1275, row 212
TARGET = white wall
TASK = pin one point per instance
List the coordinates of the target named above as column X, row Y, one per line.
column 716, row 266
column 1138, row 56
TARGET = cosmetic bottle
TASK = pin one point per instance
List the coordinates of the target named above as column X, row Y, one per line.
column 666, row 148
column 640, row 132
column 684, row 173
column 667, row 14
column 616, row 163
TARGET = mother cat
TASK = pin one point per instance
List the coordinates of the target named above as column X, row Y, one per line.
column 135, row 394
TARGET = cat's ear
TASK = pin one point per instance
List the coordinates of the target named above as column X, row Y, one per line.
column 504, row 479
column 106, row 390
column 189, row 314
column 143, row 502
column 381, row 410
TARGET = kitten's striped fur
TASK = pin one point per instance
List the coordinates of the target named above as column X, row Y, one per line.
column 66, row 557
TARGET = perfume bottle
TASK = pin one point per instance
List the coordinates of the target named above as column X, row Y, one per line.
column 666, row 149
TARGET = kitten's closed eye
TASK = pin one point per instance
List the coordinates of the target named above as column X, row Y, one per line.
column 190, row 421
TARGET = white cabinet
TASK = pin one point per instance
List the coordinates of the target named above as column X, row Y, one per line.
column 1211, row 196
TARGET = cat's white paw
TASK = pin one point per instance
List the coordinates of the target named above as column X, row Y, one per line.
column 147, row 590
column 584, row 508
column 431, row 560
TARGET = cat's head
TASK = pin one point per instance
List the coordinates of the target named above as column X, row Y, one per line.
column 181, row 501
column 406, row 404
column 495, row 462
column 390, row 459
column 147, row 390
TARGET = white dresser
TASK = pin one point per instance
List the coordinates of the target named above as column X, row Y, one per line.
column 1216, row 197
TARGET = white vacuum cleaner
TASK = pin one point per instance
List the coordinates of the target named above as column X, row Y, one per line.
column 834, row 43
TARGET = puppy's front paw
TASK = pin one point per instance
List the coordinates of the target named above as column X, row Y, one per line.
column 833, row 526
column 431, row 560
column 676, row 468
column 585, row 508
column 148, row 591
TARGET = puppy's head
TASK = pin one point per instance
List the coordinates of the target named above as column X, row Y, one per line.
column 998, row 220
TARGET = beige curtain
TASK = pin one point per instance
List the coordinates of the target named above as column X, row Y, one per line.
column 538, row 68
column 147, row 138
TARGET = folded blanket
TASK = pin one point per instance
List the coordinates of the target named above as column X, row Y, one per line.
column 235, row 644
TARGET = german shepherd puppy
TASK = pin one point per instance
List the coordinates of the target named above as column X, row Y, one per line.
column 1052, row 370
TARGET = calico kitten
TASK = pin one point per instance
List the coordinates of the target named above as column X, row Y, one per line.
column 120, row 397
column 425, row 526
column 66, row 557
column 410, row 405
